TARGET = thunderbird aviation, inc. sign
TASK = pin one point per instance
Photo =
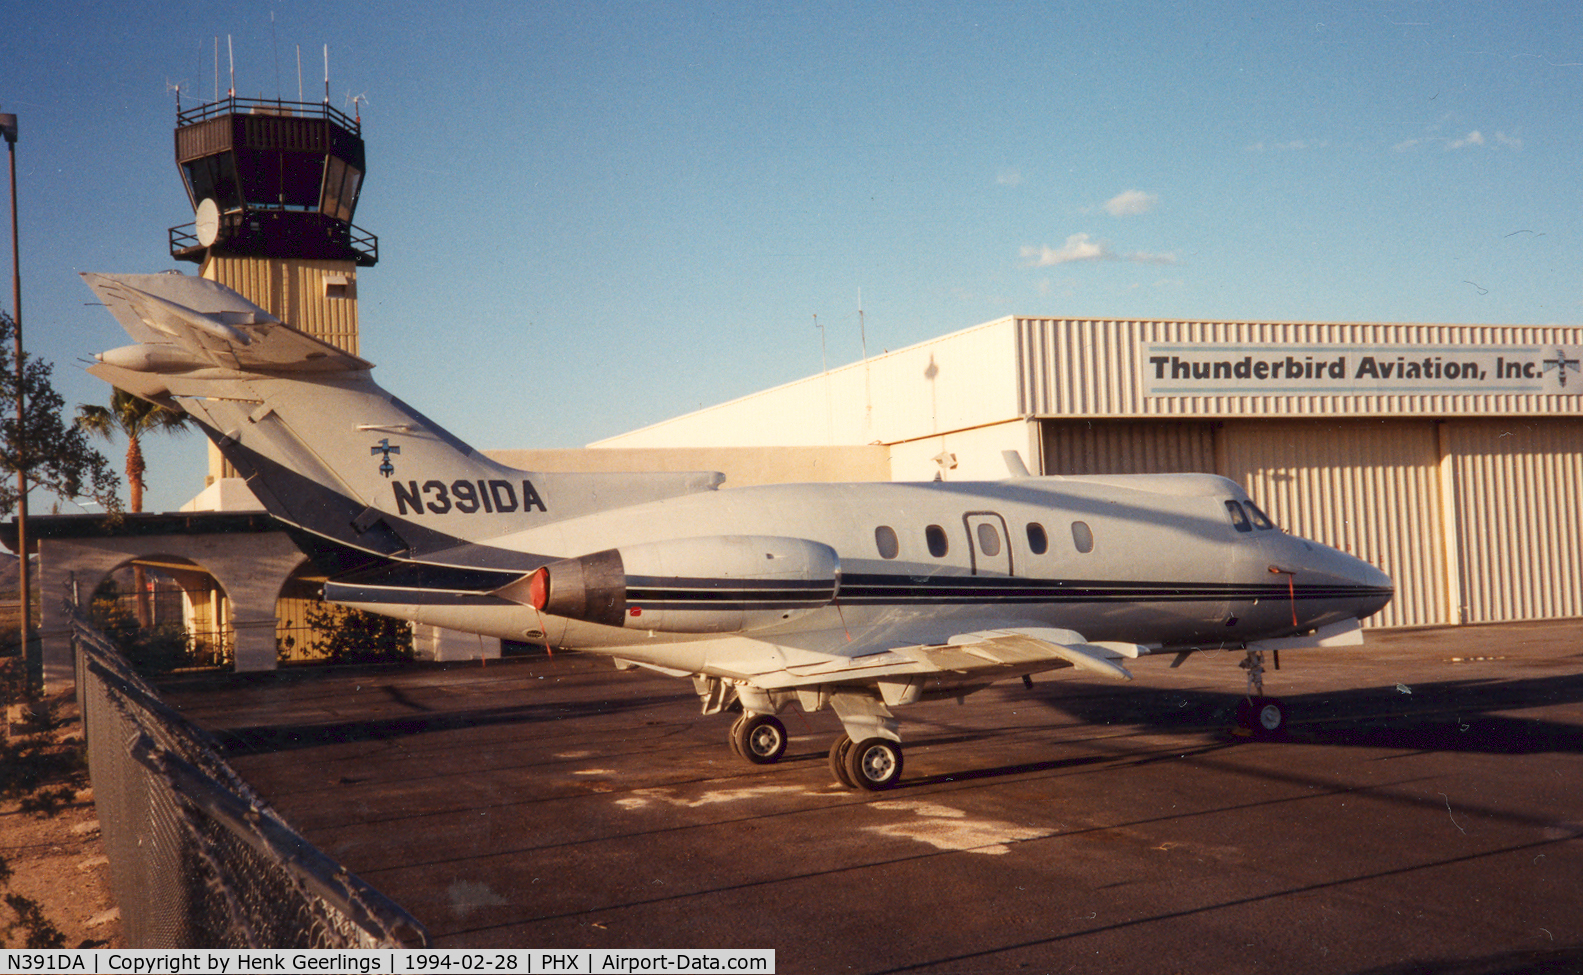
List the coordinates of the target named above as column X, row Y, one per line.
column 1241, row 370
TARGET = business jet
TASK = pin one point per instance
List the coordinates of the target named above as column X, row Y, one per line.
column 861, row 598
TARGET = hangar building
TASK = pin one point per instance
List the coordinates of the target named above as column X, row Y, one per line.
column 1449, row 455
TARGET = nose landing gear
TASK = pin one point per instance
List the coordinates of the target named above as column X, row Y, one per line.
column 1258, row 715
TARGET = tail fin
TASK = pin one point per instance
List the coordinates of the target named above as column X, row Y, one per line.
column 320, row 443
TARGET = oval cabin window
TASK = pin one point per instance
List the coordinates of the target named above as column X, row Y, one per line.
column 988, row 540
column 1038, row 541
column 885, row 541
column 935, row 536
column 1082, row 537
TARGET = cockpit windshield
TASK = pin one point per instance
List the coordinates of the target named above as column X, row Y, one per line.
column 1246, row 517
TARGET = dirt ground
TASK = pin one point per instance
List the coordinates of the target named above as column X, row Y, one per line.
column 56, row 860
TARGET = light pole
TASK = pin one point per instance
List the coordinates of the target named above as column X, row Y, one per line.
column 8, row 129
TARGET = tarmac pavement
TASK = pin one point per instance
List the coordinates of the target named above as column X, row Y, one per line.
column 1423, row 813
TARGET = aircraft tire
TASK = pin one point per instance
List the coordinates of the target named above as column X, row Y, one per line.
column 1265, row 717
column 759, row 738
column 1269, row 717
column 732, row 738
column 838, row 752
column 874, row 764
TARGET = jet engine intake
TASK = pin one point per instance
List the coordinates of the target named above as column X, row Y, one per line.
column 715, row 584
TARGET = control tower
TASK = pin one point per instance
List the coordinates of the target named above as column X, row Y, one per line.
column 274, row 186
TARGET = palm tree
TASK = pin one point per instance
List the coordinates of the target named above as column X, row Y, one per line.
column 132, row 417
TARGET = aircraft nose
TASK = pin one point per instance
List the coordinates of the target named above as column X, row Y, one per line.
column 1338, row 580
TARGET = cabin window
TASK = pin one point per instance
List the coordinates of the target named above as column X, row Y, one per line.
column 1261, row 521
column 1082, row 537
column 935, row 536
column 988, row 539
column 1239, row 518
column 885, row 541
column 1038, row 541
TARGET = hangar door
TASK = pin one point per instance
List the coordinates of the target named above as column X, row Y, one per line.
column 1367, row 487
column 1517, row 483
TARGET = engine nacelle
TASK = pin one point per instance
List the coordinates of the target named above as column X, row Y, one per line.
column 716, row 584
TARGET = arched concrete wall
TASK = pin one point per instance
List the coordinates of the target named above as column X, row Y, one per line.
column 250, row 567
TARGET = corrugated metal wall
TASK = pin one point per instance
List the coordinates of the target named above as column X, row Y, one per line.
column 1084, row 447
column 1518, row 481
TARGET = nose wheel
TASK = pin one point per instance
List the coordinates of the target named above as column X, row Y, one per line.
column 1261, row 715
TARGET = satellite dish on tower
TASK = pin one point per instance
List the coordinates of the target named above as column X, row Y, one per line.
column 208, row 223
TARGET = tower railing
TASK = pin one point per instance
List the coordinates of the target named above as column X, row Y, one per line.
column 234, row 104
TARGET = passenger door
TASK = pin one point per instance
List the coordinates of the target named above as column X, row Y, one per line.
column 988, row 543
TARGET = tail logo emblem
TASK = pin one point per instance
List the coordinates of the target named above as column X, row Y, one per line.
column 383, row 447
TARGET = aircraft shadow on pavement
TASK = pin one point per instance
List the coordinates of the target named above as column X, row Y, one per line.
column 265, row 739
column 1466, row 715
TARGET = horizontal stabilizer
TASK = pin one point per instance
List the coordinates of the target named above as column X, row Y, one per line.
column 185, row 323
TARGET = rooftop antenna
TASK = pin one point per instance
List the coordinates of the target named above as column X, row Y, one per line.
column 299, row 72
column 829, row 404
column 230, row 53
column 217, row 67
column 861, row 333
column 326, row 74
column 274, row 47
column 868, row 386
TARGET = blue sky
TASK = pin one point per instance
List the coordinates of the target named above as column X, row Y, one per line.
column 596, row 216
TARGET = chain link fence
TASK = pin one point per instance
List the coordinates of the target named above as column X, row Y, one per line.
column 197, row 860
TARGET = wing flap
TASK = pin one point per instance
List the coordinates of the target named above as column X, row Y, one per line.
column 990, row 653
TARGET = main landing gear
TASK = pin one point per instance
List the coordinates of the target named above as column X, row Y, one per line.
column 1258, row 715
column 759, row 738
column 873, row 764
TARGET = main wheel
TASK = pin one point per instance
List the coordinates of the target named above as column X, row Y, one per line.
column 733, row 738
column 874, row 764
column 838, row 753
column 759, row 738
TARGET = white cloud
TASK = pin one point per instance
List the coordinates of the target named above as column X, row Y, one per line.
column 1474, row 138
column 1296, row 145
column 1082, row 247
column 1078, row 247
column 1009, row 177
column 1130, row 203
